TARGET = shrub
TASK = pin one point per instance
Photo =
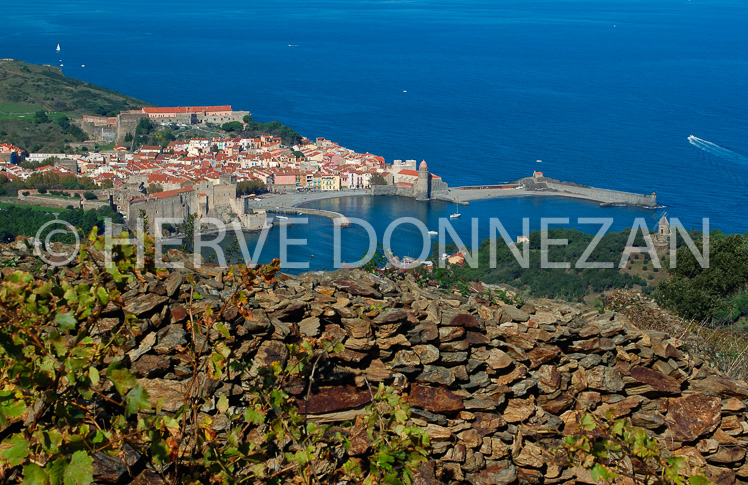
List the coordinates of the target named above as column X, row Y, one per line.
column 89, row 195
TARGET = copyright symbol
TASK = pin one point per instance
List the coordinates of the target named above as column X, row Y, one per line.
column 52, row 257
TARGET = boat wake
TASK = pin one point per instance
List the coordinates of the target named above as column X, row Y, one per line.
column 716, row 150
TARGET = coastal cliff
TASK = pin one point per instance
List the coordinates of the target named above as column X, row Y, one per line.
column 495, row 385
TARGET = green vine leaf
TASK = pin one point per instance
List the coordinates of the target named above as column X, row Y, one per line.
column 80, row 470
column 66, row 321
column 14, row 450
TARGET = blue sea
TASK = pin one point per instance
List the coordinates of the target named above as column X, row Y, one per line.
column 604, row 92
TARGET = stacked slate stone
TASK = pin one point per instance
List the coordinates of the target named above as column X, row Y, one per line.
column 494, row 386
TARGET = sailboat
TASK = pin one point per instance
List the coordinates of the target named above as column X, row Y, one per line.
column 456, row 214
column 58, row 48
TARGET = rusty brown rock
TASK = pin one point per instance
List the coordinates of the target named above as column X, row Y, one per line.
column 542, row 354
column 487, row 423
column 169, row 394
column 434, row 399
column 391, row 316
column 721, row 387
column 292, row 313
column 727, row 455
column 459, row 318
column 178, row 313
column 498, row 359
column 720, row 476
column 654, row 381
column 501, row 474
column 271, row 351
column 647, row 419
column 150, row 366
column 549, row 378
column 144, row 303
column 355, row 288
column 518, row 410
column 531, row 456
column 335, row 398
column 447, row 334
column 690, row 417
column 557, row 405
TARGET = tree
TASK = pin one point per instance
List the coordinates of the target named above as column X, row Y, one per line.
column 144, row 127
column 41, row 117
column 153, row 188
column 106, row 184
column 377, row 179
column 89, row 195
column 232, row 126
column 250, row 187
column 128, row 137
column 708, row 294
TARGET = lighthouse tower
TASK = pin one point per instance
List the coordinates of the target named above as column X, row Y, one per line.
column 422, row 187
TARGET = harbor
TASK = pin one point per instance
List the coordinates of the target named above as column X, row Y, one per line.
column 536, row 186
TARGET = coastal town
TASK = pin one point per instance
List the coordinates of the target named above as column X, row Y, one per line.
column 200, row 176
column 238, row 178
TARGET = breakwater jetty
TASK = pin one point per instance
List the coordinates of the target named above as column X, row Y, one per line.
column 336, row 217
column 538, row 185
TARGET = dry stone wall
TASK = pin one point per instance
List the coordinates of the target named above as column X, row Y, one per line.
column 495, row 386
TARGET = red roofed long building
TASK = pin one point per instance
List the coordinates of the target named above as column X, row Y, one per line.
column 195, row 114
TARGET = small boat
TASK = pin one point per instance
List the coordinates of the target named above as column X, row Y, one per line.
column 58, row 48
column 282, row 218
column 433, row 233
column 456, row 214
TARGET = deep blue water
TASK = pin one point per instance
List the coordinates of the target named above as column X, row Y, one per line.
column 605, row 92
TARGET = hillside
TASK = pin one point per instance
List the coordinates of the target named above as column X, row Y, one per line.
column 45, row 87
column 495, row 384
column 27, row 88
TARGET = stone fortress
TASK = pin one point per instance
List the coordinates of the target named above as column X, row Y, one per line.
column 203, row 199
column 107, row 130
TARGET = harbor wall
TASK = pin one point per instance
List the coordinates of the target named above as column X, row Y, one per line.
column 605, row 195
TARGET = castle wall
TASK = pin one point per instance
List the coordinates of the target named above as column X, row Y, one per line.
column 101, row 133
column 126, row 123
column 438, row 186
column 177, row 206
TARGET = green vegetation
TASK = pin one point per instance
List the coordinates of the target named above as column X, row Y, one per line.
column 274, row 128
column 24, row 220
column 154, row 188
column 38, row 102
column 250, row 187
column 377, row 179
column 46, row 88
column 610, row 449
column 67, row 393
column 15, row 111
column 43, row 182
column 232, row 126
column 715, row 295
column 37, row 208
column 570, row 284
